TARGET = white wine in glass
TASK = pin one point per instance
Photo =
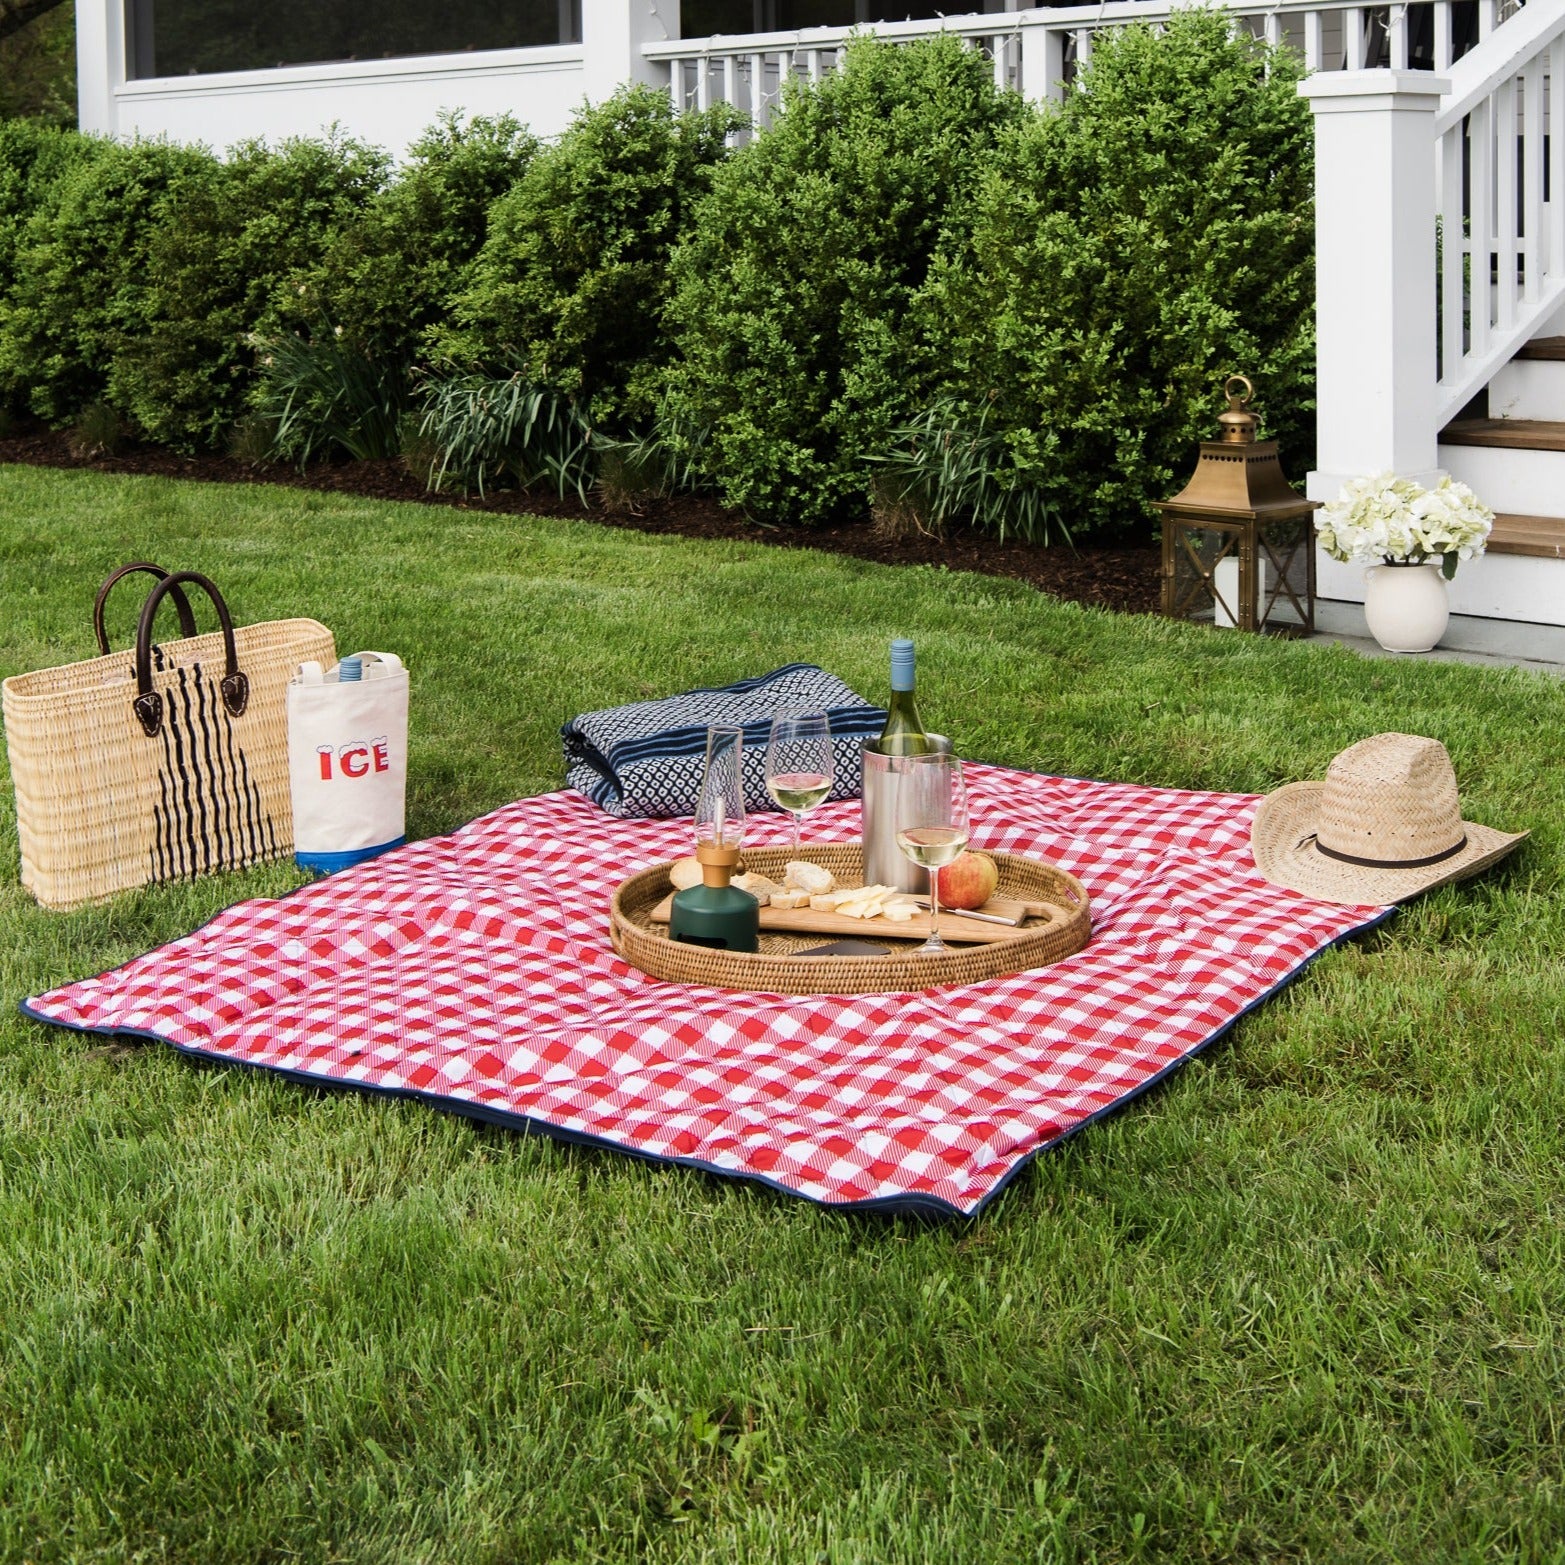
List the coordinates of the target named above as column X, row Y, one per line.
column 800, row 764
column 931, row 825
column 931, row 846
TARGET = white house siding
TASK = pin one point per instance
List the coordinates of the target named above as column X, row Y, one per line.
column 385, row 102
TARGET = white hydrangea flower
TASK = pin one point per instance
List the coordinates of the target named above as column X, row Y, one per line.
column 1385, row 518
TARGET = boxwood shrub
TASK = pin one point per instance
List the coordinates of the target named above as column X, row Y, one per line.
column 390, row 272
column 216, row 258
column 792, row 292
column 78, row 289
column 569, row 288
column 1132, row 248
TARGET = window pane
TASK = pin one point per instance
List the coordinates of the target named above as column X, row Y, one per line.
column 190, row 37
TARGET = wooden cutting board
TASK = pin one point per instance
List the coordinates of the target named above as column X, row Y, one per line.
column 953, row 928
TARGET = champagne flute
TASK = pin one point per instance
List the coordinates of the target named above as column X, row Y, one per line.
column 800, row 764
column 931, row 824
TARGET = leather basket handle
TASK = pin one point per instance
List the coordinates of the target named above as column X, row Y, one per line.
column 187, row 620
column 234, row 684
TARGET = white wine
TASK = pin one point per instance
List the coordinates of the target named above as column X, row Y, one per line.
column 904, row 731
column 931, row 846
column 798, row 791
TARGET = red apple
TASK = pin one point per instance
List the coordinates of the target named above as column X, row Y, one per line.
column 968, row 881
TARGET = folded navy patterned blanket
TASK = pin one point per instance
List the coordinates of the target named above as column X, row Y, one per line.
column 646, row 759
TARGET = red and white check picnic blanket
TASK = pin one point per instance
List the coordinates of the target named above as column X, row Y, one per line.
column 475, row 971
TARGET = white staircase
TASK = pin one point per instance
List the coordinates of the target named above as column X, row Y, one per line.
column 1451, row 356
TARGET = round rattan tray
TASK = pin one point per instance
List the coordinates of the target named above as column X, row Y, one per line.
column 777, row 968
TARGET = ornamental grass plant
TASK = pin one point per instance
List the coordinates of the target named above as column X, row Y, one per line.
column 1300, row 1302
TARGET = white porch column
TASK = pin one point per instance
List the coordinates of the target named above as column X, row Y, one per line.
column 1374, row 274
column 1043, row 59
column 100, row 63
column 612, row 33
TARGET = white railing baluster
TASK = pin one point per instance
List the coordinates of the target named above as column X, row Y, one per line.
column 1443, row 44
column 1534, row 244
column 1044, row 81
column 1488, row 15
column 1314, row 42
column 731, row 80
column 703, row 83
column 1505, row 206
column 1396, row 37
column 1453, row 251
column 1353, row 39
column 1274, row 29
column 1480, row 219
column 1557, row 162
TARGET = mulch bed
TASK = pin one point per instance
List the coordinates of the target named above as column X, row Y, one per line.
column 1107, row 575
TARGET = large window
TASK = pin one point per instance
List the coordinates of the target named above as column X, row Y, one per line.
column 191, row 37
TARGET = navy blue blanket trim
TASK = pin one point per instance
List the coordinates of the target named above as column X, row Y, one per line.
column 889, row 1206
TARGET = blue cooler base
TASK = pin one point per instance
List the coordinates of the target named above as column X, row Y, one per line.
column 330, row 863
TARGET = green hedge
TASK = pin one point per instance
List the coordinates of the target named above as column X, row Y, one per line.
column 343, row 336
column 793, row 288
column 1131, row 250
column 390, row 272
column 78, row 289
column 571, row 284
column 138, row 276
column 907, row 264
column 216, row 259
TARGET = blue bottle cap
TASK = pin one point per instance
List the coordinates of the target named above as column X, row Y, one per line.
column 350, row 671
column 901, row 664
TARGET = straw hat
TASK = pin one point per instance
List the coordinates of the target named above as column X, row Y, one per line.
column 1385, row 825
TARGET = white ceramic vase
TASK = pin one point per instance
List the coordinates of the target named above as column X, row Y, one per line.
column 1407, row 605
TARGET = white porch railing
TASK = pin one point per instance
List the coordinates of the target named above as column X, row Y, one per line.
column 1036, row 52
column 1501, row 194
column 1410, row 327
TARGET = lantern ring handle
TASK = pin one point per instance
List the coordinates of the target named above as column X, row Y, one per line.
column 1234, row 399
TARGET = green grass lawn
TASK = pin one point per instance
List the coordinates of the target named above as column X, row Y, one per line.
column 1302, row 1302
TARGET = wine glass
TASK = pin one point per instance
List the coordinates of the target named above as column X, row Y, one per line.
column 800, row 764
column 931, row 824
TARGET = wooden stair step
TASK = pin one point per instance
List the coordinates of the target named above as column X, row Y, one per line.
column 1542, row 537
column 1507, row 434
column 1544, row 348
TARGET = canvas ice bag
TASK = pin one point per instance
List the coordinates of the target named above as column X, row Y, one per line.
column 348, row 760
column 158, row 763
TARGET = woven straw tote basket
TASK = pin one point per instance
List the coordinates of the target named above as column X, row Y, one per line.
column 159, row 763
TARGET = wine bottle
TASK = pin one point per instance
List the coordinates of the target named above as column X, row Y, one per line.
column 904, row 731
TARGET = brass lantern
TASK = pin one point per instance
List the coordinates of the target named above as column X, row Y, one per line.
column 1238, row 548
